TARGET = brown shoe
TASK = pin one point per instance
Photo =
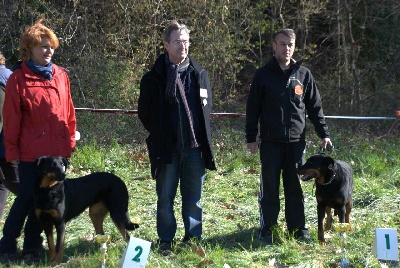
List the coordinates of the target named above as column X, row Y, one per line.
column 165, row 248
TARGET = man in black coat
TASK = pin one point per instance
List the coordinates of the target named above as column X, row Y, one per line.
column 281, row 94
column 174, row 106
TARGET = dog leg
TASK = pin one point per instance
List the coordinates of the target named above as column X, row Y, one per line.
column 342, row 214
column 60, row 242
column 328, row 224
column 321, row 216
column 97, row 214
column 48, row 230
column 348, row 210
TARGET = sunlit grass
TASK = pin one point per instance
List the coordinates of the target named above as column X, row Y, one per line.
column 231, row 216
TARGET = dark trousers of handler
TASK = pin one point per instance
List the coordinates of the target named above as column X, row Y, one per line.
column 23, row 208
column 276, row 159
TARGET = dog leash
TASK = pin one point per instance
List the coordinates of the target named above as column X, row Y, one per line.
column 329, row 149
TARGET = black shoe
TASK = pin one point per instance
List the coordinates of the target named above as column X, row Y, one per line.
column 266, row 236
column 305, row 239
column 165, row 248
column 303, row 236
column 267, row 239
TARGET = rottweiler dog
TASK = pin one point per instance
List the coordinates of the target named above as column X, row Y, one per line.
column 58, row 200
column 334, row 188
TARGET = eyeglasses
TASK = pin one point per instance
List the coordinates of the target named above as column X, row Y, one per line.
column 178, row 43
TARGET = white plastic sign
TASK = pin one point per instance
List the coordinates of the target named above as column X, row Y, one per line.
column 385, row 244
column 136, row 253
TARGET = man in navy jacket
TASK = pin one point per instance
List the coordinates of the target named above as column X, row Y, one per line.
column 281, row 94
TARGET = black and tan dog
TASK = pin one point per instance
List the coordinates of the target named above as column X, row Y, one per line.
column 334, row 188
column 58, row 200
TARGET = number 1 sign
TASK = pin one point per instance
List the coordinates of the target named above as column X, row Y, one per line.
column 385, row 244
column 136, row 253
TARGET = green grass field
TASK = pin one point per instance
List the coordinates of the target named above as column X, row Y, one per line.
column 231, row 216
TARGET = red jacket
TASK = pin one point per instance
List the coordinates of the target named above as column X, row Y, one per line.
column 39, row 116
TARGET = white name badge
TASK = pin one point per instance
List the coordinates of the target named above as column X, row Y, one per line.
column 385, row 244
column 77, row 135
column 203, row 93
column 136, row 253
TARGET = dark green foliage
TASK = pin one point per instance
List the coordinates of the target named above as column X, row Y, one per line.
column 351, row 47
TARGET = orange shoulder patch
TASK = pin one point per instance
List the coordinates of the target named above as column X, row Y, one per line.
column 298, row 90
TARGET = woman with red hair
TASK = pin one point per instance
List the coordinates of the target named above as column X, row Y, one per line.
column 39, row 119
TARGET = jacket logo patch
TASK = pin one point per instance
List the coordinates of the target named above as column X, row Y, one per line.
column 298, row 90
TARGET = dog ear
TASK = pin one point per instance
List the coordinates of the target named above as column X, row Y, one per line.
column 330, row 163
column 328, row 160
column 38, row 160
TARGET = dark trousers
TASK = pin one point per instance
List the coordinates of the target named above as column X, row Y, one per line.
column 9, row 182
column 276, row 159
column 22, row 208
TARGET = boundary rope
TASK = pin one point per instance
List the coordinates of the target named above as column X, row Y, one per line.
column 231, row 115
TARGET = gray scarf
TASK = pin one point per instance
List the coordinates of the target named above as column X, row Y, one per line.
column 174, row 84
column 173, row 78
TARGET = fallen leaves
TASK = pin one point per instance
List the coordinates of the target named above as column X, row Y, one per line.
column 201, row 252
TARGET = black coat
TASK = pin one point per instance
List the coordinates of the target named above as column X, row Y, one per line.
column 279, row 102
column 153, row 113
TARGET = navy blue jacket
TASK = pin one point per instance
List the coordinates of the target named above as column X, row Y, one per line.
column 4, row 75
column 279, row 101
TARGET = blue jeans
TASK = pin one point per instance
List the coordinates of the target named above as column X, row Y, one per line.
column 188, row 167
column 23, row 208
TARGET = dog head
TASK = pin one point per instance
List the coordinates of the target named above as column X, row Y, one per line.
column 50, row 170
column 319, row 166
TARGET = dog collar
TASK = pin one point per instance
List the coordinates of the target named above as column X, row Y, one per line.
column 329, row 182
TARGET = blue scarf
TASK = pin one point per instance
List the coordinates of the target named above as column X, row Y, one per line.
column 44, row 71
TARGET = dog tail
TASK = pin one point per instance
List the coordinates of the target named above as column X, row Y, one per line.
column 123, row 220
column 131, row 226
column 124, row 226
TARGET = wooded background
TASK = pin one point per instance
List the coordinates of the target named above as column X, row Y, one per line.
column 351, row 46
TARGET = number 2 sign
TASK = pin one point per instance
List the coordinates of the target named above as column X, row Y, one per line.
column 385, row 244
column 136, row 253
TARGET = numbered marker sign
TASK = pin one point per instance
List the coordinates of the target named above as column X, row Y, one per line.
column 136, row 253
column 385, row 244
